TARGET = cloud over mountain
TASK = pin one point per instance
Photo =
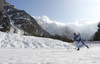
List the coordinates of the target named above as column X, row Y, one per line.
column 85, row 27
column 51, row 26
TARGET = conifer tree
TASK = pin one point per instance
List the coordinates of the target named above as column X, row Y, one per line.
column 97, row 34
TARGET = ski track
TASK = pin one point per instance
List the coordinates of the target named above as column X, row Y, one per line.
column 17, row 49
column 49, row 56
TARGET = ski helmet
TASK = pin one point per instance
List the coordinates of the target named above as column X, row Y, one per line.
column 74, row 33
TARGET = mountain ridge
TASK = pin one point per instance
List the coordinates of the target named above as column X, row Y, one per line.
column 21, row 20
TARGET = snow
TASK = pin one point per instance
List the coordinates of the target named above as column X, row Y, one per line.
column 12, row 29
column 19, row 41
column 18, row 49
column 1, row 27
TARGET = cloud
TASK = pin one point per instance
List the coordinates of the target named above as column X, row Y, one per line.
column 53, row 27
column 85, row 27
column 45, row 19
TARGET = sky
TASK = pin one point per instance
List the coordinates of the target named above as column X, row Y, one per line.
column 81, row 15
column 60, row 10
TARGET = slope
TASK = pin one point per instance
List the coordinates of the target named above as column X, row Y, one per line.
column 18, row 20
column 18, row 49
column 20, row 41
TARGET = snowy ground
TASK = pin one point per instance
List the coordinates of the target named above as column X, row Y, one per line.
column 17, row 49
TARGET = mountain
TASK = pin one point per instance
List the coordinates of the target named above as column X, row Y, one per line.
column 14, row 20
column 2, row 4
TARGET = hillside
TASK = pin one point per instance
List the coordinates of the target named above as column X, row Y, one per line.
column 19, row 41
column 15, row 20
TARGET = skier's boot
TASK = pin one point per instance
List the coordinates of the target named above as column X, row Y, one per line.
column 78, row 48
column 87, row 46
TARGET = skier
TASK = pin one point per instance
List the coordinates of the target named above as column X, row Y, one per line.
column 77, row 37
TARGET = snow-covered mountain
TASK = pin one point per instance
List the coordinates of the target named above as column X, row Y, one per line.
column 19, row 21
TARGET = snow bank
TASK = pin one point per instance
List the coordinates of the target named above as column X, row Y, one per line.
column 18, row 49
column 19, row 41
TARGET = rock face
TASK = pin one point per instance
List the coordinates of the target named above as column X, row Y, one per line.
column 2, row 3
column 4, row 22
column 19, row 20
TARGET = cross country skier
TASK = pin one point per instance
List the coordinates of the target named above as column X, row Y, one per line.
column 77, row 37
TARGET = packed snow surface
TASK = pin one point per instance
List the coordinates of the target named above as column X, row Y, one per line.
column 18, row 49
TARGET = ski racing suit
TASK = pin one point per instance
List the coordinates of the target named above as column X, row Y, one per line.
column 77, row 37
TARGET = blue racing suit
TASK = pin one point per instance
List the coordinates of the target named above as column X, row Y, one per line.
column 77, row 37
